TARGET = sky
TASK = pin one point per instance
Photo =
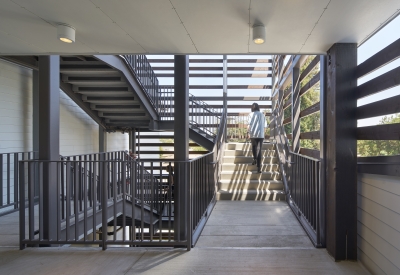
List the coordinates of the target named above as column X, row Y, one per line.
column 379, row 41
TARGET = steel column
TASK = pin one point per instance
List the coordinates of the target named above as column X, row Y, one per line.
column 323, row 142
column 181, row 143
column 341, row 152
column 102, row 139
column 296, row 108
column 225, row 88
column 49, row 138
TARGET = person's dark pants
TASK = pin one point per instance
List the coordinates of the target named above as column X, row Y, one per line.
column 256, row 146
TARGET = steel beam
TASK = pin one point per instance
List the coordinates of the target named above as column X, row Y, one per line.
column 341, row 152
column 49, row 139
column 181, row 148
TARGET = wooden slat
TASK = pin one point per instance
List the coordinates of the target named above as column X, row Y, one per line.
column 287, row 104
column 380, row 59
column 287, row 93
column 190, row 60
column 382, row 165
column 249, row 60
column 256, row 69
column 310, row 152
column 313, row 81
column 287, row 121
column 212, row 87
column 240, row 106
column 309, row 68
column 383, row 82
column 289, row 136
column 171, row 68
column 310, row 135
column 379, row 132
column 380, row 108
column 234, row 98
column 220, row 75
column 310, row 110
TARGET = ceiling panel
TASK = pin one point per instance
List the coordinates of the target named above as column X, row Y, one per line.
column 153, row 26
column 349, row 21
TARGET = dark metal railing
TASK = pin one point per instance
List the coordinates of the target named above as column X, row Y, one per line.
column 202, row 117
column 144, row 73
column 9, row 179
column 114, row 202
column 301, row 176
column 305, row 192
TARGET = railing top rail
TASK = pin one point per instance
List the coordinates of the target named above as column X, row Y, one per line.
column 304, row 156
column 98, row 153
column 125, row 160
column 19, row 152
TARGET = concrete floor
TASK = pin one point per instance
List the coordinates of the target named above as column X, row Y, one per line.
column 241, row 237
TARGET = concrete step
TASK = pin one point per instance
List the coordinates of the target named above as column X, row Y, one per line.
column 248, row 167
column 253, row 195
column 238, row 176
column 247, row 146
column 249, row 153
column 248, row 160
column 229, row 185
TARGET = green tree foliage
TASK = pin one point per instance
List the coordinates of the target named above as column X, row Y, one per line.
column 310, row 123
column 380, row 147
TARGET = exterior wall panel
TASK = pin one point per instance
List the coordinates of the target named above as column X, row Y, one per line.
column 378, row 228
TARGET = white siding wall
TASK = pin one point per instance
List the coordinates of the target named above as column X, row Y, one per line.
column 15, row 118
column 15, row 108
column 79, row 134
column 379, row 223
column 117, row 142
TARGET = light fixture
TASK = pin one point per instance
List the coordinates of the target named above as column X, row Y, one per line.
column 65, row 33
column 259, row 34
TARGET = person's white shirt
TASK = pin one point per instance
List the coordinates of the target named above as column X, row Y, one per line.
column 256, row 122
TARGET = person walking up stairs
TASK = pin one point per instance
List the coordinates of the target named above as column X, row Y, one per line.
column 240, row 179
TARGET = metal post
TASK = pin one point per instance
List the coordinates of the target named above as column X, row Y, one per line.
column 296, row 108
column 102, row 139
column 341, row 152
column 133, row 141
column 323, row 139
column 225, row 89
column 35, row 122
column 49, row 139
column 181, row 143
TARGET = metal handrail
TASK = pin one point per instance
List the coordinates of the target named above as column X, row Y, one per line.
column 201, row 115
column 9, row 199
column 144, row 73
column 301, row 178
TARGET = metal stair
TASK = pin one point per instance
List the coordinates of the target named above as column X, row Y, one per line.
column 239, row 179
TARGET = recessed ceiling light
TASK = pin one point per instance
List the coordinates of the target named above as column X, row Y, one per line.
column 259, row 34
column 65, row 33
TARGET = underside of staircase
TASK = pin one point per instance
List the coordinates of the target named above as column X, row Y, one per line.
column 240, row 180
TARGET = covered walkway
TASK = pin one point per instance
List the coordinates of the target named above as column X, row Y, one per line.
column 241, row 237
